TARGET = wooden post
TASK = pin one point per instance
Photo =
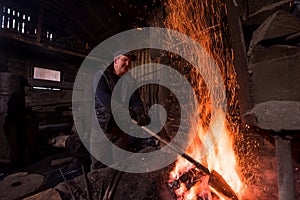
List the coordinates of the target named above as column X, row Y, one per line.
column 285, row 172
column 240, row 60
column 39, row 24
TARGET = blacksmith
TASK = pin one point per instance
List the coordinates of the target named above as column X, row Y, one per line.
column 108, row 80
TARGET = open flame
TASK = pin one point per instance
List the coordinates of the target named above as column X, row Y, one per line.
column 203, row 21
column 219, row 157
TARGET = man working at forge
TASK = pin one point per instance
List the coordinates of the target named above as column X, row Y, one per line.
column 104, row 110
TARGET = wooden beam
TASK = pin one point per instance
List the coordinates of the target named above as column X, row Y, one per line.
column 6, row 34
column 39, row 24
column 240, row 60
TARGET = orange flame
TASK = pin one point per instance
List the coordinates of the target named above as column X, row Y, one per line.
column 203, row 21
column 215, row 150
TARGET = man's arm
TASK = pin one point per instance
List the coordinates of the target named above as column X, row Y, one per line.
column 103, row 93
column 138, row 108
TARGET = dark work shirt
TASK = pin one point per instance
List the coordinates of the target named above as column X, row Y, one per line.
column 104, row 90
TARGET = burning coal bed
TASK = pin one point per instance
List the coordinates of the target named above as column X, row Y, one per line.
column 193, row 185
column 153, row 185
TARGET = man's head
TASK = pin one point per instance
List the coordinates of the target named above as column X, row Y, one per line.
column 122, row 61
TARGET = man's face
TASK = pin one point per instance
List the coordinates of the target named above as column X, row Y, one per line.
column 122, row 64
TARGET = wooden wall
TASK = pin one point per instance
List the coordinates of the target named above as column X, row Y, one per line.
column 43, row 109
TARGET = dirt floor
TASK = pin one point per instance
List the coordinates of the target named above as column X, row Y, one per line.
column 257, row 161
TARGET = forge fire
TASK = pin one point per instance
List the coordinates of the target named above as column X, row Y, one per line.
column 214, row 141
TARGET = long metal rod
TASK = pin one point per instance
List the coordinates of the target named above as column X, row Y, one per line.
column 178, row 151
column 68, row 185
column 216, row 180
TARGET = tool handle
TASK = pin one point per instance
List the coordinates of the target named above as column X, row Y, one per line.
column 196, row 163
column 176, row 150
column 216, row 180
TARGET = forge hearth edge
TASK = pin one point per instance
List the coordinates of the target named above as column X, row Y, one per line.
column 274, row 86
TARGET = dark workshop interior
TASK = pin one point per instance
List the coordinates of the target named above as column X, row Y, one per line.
column 254, row 43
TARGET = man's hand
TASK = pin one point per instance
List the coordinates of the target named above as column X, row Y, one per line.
column 124, row 119
column 141, row 118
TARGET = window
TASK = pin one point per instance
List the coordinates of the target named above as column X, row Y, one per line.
column 46, row 74
column 16, row 20
column 49, row 35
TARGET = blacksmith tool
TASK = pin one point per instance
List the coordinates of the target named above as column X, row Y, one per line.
column 216, row 180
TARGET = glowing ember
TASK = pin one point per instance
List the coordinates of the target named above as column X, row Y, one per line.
column 213, row 144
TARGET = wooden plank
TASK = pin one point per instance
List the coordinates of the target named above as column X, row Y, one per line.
column 34, row 102
column 52, row 108
column 35, row 98
column 26, row 39
column 44, row 83
column 49, row 194
column 61, row 161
